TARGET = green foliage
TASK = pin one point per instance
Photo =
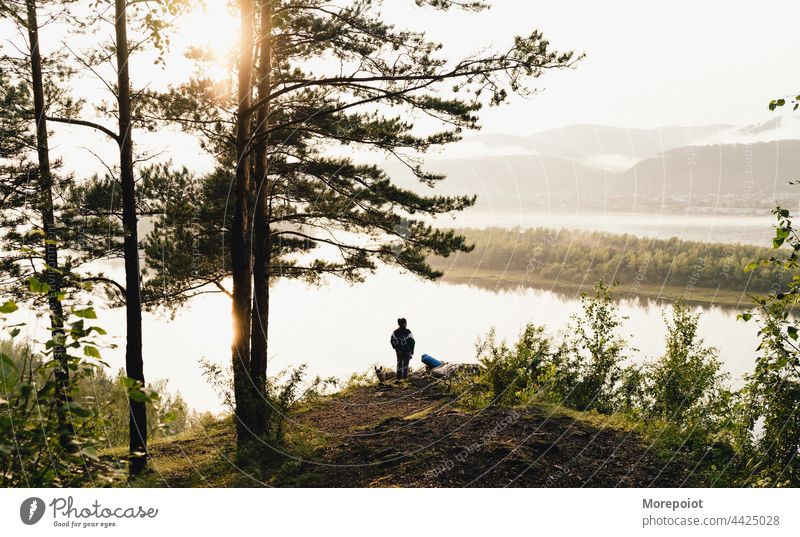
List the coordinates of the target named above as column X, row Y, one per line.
column 167, row 413
column 591, row 358
column 285, row 393
column 514, row 374
column 48, row 429
column 680, row 401
column 685, row 383
column 580, row 256
column 777, row 103
column 582, row 371
column 772, row 394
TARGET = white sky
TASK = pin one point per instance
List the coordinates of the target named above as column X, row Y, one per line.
column 648, row 64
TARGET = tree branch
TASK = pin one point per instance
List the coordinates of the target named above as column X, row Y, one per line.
column 85, row 123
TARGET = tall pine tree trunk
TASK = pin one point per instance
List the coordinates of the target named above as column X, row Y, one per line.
column 261, row 228
column 134, row 365
column 241, row 257
column 53, row 276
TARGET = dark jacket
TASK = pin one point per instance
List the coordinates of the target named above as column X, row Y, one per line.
column 402, row 340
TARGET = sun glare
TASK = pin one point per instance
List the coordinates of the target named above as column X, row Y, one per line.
column 213, row 27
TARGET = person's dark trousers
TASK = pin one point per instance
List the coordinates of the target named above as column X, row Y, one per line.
column 403, row 358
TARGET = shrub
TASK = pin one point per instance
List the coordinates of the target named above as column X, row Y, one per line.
column 168, row 413
column 286, row 392
column 588, row 369
column 771, row 412
column 685, row 383
column 36, row 412
column 283, row 394
column 514, row 374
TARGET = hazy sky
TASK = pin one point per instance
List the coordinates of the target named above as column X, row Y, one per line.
column 648, row 64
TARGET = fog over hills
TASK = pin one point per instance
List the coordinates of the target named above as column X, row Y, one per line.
column 590, row 165
column 732, row 169
column 611, row 147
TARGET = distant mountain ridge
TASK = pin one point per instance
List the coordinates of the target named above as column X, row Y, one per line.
column 564, row 165
column 733, row 169
column 582, row 141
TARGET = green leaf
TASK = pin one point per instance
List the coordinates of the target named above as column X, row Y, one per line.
column 80, row 411
column 745, row 316
column 37, row 286
column 9, row 307
column 137, row 395
column 792, row 331
column 169, row 417
column 91, row 351
column 773, row 104
column 90, row 453
column 87, row 313
column 8, row 371
column 780, row 236
column 129, row 383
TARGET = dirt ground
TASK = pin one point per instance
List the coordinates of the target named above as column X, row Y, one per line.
column 411, row 435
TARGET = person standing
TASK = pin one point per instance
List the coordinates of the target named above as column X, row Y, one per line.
column 402, row 341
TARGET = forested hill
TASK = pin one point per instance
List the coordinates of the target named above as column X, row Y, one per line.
column 739, row 169
column 544, row 256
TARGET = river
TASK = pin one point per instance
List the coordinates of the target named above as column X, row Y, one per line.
column 338, row 329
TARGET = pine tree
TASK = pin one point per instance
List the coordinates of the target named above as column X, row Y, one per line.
column 297, row 209
column 29, row 190
column 150, row 22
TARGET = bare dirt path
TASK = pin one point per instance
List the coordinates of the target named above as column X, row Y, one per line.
column 412, row 435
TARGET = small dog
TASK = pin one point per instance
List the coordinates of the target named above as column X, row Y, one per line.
column 384, row 374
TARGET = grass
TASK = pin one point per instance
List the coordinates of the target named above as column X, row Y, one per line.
column 194, row 459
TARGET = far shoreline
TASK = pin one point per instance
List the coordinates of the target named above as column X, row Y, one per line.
column 504, row 280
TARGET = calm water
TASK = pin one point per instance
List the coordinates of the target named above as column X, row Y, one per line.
column 338, row 329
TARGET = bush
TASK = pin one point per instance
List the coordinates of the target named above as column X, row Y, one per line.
column 582, row 372
column 514, row 374
column 685, row 384
column 770, row 426
column 587, row 366
column 167, row 413
column 284, row 393
column 48, row 433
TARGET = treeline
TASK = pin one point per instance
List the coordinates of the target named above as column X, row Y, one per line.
column 586, row 257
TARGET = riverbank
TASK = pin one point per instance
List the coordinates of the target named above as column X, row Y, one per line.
column 496, row 280
column 573, row 261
